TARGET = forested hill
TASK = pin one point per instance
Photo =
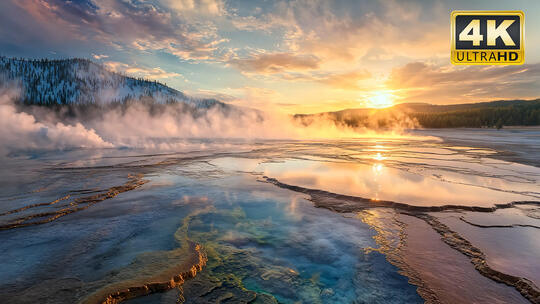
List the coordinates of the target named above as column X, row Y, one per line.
column 474, row 115
column 487, row 114
column 81, row 81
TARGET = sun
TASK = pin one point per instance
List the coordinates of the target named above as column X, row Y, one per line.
column 381, row 100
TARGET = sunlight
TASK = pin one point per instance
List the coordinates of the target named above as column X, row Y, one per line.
column 381, row 100
column 377, row 168
column 379, row 157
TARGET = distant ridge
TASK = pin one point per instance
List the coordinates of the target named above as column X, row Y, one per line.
column 81, row 81
column 497, row 113
column 427, row 107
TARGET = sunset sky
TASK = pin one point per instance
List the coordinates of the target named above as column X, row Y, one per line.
column 291, row 56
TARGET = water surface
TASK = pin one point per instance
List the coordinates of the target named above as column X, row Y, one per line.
column 78, row 225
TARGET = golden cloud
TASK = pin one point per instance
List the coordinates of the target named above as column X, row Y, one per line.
column 421, row 82
column 275, row 63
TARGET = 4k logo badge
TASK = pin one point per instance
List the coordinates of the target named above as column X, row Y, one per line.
column 487, row 37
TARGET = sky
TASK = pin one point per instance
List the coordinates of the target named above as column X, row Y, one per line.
column 290, row 56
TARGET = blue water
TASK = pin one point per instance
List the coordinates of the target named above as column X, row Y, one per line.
column 272, row 240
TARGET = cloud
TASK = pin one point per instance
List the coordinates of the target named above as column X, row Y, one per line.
column 432, row 83
column 150, row 73
column 340, row 80
column 208, row 7
column 138, row 25
column 346, row 81
column 254, row 24
column 343, row 32
column 99, row 56
column 275, row 63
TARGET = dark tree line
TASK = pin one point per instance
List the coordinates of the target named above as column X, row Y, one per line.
column 526, row 113
column 494, row 114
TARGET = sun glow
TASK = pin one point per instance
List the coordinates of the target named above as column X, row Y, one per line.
column 379, row 157
column 381, row 100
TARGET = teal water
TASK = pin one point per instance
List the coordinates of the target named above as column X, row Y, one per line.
column 272, row 241
column 262, row 242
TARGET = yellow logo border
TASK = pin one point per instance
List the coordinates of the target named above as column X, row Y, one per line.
column 483, row 12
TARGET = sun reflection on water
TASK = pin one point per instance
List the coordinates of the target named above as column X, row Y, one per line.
column 379, row 157
column 377, row 171
column 377, row 168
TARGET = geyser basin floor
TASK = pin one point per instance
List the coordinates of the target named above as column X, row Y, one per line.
column 263, row 243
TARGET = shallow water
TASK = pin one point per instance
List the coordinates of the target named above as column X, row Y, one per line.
column 61, row 242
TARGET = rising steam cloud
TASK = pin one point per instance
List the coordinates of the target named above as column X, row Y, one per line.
column 140, row 126
column 21, row 131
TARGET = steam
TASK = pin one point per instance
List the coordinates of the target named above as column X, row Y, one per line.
column 141, row 126
column 21, row 131
column 161, row 127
